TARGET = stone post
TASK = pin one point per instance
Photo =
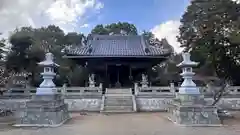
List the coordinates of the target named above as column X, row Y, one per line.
column 189, row 108
column 135, row 88
column 172, row 88
column 64, row 87
column 101, row 86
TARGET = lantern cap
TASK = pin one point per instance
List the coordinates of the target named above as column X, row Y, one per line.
column 48, row 61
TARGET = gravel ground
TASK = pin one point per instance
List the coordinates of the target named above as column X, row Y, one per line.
column 124, row 124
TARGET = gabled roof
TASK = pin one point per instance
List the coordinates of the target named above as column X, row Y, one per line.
column 116, row 46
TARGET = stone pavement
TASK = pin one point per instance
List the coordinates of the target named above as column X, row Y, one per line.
column 123, row 124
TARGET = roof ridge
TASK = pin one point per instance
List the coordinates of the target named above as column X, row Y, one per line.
column 145, row 47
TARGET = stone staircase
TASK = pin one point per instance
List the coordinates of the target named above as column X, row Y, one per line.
column 118, row 101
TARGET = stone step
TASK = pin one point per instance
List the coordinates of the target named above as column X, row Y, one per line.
column 118, row 91
column 117, row 111
column 118, row 104
column 118, row 108
column 118, row 101
column 117, row 97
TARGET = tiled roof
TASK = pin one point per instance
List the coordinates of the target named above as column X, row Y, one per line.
column 115, row 45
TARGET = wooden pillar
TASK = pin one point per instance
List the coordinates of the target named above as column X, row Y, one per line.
column 130, row 76
column 106, row 69
column 106, row 76
column 130, row 71
column 117, row 73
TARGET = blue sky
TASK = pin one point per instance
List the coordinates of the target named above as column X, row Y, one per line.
column 159, row 16
column 145, row 14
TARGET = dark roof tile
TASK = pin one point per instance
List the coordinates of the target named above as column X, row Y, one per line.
column 112, row 45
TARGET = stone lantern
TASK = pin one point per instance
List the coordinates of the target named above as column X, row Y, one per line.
column 47, row 87
column 188, row 90
column 189, row 107
column 47, row 107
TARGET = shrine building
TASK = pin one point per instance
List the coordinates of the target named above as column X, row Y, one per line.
column 117, row 60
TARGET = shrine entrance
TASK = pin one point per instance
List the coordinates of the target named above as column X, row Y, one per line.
column 119, row 76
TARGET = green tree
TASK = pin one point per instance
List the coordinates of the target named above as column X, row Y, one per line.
column 207, row 31
column 115, row 28
column 29, row 46
column 2, row 48
column 17, row 58
column 73, row 38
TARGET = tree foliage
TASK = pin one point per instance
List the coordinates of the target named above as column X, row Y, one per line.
column 30, row 44
column 209, row 30
column 115, row 28
column 2, row 48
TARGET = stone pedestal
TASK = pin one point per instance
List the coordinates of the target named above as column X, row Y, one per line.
column 44, row 111
column 194, row 115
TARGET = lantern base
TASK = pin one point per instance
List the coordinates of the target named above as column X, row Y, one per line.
column 189, row 90
column 194, row 115
column 44, row 111
column 46, row 91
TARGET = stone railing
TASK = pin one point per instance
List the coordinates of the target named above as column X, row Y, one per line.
column 171, row 90
column 139, row 91
column 154, row 91
column 66, row 91
column 234, row 89
column 22, row 92
column 82, row 91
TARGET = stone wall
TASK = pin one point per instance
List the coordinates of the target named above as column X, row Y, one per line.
column 152, row 103
column 84, row 104
column 226, row 103
column 162, row 103
column 149, row 103
column 80, row 104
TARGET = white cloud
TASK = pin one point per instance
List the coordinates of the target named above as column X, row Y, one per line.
column 168, row 30
column 67, row 14
column 85, row 25
column 238, row 1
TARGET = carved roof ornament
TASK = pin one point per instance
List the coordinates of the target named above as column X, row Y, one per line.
column 111, row 33
column 123, row 32
column 155, row 42
column 83, row 41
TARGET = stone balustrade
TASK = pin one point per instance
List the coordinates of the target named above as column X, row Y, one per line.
column 171, row 90
column 154, row 91
column 66, row 91
column 139, row 91
column 82, row 91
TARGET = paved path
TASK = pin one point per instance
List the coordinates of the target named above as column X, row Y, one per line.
column 122, row 124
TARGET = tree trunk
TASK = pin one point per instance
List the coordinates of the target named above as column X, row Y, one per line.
column 218, row 95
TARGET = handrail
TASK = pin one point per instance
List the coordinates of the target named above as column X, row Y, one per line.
column 153, row 90
column 61, row 90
